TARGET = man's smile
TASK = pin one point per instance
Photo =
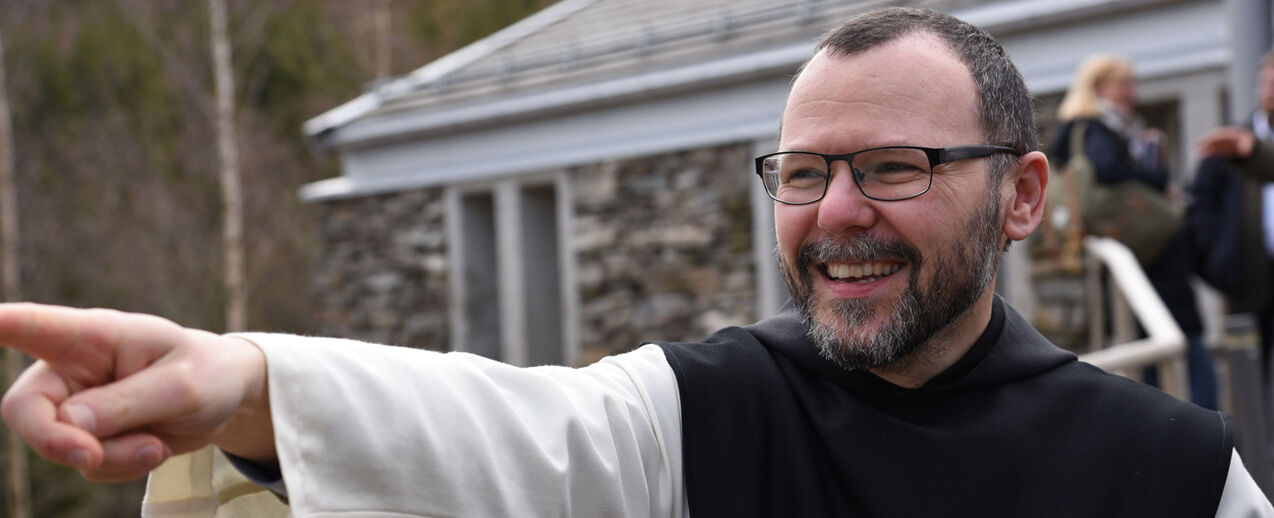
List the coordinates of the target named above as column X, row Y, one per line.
column 860, row 273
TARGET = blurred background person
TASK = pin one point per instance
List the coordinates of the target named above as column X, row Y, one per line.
column 1233, row 209
column 1121, row 148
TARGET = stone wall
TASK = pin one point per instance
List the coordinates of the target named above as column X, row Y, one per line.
column 382, row 271
column 663, row 248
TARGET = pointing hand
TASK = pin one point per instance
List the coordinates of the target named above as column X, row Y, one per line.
column 115, row 394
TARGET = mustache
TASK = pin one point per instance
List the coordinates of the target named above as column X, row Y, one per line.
column 863, row 248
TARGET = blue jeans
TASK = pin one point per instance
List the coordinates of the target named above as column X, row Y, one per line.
column 1203, row 379
column 1200, row 369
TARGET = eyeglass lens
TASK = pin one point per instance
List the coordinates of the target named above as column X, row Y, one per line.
column 885, row 174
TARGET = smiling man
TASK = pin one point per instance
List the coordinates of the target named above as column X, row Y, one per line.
column 896, row 384
column 885, row 263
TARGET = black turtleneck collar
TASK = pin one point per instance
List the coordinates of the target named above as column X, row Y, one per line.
column 784, row 334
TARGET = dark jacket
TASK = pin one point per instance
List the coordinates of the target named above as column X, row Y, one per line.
column 1255, row 294
column 1214, row 221
column 1017, row 427
column 1108, row 152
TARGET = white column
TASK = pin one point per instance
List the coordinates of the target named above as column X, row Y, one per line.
column 770, row 289
column 1201, row 112
column 1249, row 40
column 508, row 208
column 455, row 277
column 566, row 259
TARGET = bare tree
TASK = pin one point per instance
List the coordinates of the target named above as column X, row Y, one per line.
column 231, row 187
column 383, row 47
column 17, row 488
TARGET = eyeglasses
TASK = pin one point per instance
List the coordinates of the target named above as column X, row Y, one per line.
column 889, row 173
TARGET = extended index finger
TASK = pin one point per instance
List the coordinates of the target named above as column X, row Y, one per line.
column 38, row 330
column 89, row 345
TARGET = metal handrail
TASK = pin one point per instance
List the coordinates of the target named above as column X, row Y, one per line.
column 1131, row 296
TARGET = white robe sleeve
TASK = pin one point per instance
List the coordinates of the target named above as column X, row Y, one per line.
column 383, row 430
column 1242, row 498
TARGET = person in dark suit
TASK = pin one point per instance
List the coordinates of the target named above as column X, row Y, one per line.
column 1238, row 166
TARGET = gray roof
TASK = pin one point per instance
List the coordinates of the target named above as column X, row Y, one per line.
column 579, row 41
column 654, row 74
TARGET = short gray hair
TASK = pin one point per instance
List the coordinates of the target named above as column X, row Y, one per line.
column 1005, row 105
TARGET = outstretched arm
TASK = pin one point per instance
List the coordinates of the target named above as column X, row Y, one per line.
column 115, row 394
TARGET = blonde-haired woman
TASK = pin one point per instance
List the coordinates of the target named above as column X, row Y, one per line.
column 1122, row 148
column 1104, row 91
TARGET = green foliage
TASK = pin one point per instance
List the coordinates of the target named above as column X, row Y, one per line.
column 302, row 58
column 118, row 195
column 97, row 67
column 107, row 66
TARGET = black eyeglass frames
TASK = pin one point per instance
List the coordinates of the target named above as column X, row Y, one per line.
column 888, row 173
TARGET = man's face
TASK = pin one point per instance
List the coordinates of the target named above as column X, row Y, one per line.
column 1266, row 87
column 876, row 280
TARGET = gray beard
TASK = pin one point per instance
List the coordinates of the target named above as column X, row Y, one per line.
column 967, row 268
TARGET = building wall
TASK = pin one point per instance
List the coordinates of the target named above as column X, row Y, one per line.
column 381, row 275
column 662, row 247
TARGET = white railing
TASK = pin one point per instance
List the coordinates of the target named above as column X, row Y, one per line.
column 1130, row 297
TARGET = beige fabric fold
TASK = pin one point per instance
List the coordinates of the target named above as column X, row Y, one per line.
column 203, row 484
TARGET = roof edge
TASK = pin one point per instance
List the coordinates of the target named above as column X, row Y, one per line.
column 759, row 64
column 1009, row 17
column 396, row 87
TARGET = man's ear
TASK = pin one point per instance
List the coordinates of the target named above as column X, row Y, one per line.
column 1024, row 195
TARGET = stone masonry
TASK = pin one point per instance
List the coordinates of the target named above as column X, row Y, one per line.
column 382, row 272
column 663, row 250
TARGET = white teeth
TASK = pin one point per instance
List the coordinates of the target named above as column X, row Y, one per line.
column 860, row 270
column 841, row 271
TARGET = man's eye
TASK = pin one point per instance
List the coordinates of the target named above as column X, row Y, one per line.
column 804, row 176
column 895, row 167
column 893, row 172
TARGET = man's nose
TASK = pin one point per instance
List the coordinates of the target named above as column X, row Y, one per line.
column 844, row 207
